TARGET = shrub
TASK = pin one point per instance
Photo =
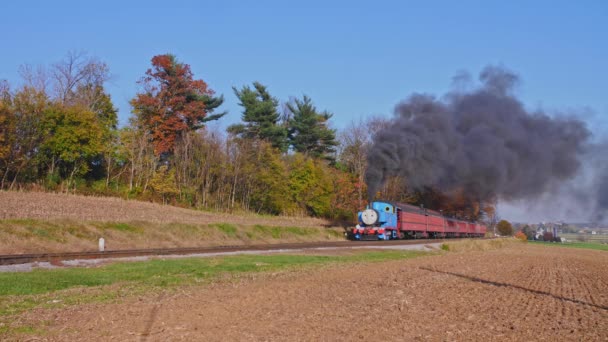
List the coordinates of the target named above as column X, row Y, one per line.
column 529, row 231
column 504, row 228
column 521, row 236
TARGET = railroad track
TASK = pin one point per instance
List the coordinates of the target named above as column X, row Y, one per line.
column 14, row 259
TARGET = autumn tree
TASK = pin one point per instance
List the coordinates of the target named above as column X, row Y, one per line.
column 173, row 103
column 268, row 187
column 260, row 117
column 310, row 185
column 202, row 169
column 355, row 141
column 140, row 160
column 163, row 183
column 77, row 79
column 354, row 145
column 71, row 139
column 504, row 228
column 529, row 232
column 7, row 128
column 344, row 201
column 107, row 117
column 27, row 111
column 490, row 216
column 308, row 130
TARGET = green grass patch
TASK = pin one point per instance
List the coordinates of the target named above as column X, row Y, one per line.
column 228, row 229
column 19, row 222
column 34, row 229
column 122, row 227
column 165, row 273
column 286, row 232
column 585, row 245
column 265, row 231
column 125, row 233
column 23, row 329
column 56, row 231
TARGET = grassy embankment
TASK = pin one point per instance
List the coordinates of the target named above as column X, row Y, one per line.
column 484, row 245
column 597, row 238
column 586, row 245
column 33, row 222
column 473, row 245
column 35, row 235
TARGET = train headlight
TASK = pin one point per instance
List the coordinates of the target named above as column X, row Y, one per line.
column 369, row 216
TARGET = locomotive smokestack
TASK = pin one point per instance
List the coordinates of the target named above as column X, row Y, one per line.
column 482, row 141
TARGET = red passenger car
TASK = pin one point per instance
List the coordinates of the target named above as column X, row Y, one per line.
column 385, row 221
column 417, row 222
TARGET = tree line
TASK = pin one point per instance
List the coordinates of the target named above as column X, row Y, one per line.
column 59, row 132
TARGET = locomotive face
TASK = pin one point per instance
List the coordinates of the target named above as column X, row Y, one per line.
column 369, row 216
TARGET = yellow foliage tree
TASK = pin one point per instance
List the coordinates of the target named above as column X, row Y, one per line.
column 163, row 183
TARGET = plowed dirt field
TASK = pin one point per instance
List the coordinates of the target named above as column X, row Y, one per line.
column 520, row 293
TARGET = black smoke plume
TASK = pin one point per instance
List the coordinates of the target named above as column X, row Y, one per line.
column 601, row 183
column 601, row 213
column 481, row 141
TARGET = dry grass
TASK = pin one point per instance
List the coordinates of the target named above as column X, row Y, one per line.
column 35, row 236
column 47, row 206
column 45, row 222
column 471, row 245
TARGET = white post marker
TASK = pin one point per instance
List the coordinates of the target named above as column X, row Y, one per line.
column 102, row 244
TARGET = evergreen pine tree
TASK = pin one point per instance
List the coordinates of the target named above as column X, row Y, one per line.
column 308, row 131
column 260, row 117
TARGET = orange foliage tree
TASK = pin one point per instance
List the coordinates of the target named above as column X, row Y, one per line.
column 173, row 103
column 345, row 202
column 521, row 236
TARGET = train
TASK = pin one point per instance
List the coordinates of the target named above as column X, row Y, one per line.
column 383, row 220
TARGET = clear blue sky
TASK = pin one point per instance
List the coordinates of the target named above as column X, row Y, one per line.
column 353, row 58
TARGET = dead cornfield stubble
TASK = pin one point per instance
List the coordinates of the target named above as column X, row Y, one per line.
column 47, row 222
column 40, row 205
column 515, row 291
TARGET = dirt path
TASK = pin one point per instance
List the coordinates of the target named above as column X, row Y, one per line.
column 518, row 293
